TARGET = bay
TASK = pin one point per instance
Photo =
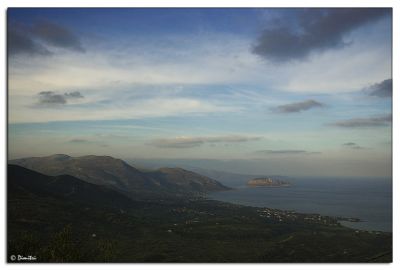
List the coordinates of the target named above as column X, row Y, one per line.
column 367, row 199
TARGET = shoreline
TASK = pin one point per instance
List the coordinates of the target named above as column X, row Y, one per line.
column 354, row 223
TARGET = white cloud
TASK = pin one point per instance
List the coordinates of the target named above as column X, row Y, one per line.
column 154, row 107
column 193, row 62
column 350, row 69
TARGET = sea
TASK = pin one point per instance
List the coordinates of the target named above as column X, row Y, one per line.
column 367, row 199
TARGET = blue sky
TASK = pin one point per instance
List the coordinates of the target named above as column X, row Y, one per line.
column 301, row 87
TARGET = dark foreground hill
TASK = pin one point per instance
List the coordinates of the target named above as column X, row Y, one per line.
column 27, row 183
column 109, row 171
column 64, row 219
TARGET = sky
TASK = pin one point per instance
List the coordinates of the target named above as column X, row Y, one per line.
column 265, row 91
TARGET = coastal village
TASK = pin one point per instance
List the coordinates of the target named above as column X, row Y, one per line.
column 270, row 215
column 287, row 216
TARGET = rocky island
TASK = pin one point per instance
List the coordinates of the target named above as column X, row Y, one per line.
column 267, row 182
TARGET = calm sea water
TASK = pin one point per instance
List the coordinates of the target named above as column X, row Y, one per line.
column 367, row 199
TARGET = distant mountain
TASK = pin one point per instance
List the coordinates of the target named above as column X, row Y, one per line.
column 27, row 183
column 115, row 173
column 99, row 170
column 185, row 180
column 227, row 172
column 228, row 178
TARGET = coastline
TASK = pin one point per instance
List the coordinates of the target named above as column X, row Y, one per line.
column 349, row 214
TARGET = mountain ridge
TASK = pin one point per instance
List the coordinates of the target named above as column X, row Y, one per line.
column 116, row 173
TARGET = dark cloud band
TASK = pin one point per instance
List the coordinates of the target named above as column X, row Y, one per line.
column 189, row 142
column 285, row 152
column 375, row 121
column 52, row 98
column 39, row 38
column 20, row 43
column 312, row 30
column 78, row 141
column 298, row 106
column 354, row 146
column 382, row 89
column 57, row 35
